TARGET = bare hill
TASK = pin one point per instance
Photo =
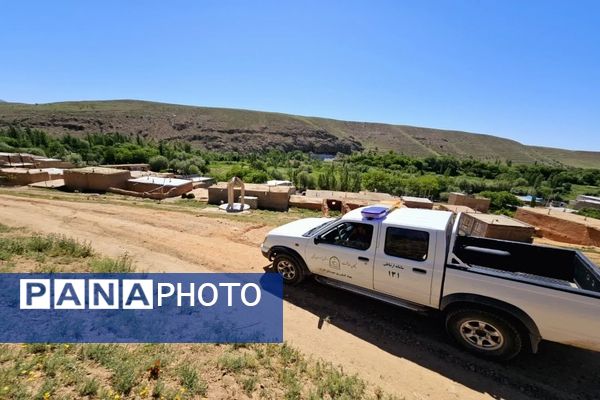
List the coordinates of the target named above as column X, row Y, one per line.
column 243, row 130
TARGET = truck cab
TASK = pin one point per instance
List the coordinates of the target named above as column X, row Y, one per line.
column 396, row 255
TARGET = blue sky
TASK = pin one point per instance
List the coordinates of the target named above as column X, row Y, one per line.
column 526, row 70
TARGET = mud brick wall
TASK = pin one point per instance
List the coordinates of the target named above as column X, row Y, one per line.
column 86, row 179
column 476, row 203
column 168, row 190
column 275, row 198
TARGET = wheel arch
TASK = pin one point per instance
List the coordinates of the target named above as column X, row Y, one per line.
column 276, row 250
column 526, row 324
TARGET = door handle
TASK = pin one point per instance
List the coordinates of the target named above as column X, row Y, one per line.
column 419, row 271
column 363, row 258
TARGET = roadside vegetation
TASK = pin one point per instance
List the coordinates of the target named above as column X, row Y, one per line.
column 394, row 173
column 589, row 212
column 150, row 371
column 172, row 372
column 22, row 251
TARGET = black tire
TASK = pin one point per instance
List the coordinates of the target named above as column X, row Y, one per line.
column 484, row 333
column 290, row 269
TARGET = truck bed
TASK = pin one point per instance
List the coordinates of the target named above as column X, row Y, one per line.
column 549, row 266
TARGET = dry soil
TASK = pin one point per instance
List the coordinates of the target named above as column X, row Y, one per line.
column 400, row 351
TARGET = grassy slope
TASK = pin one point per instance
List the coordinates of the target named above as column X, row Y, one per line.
column 253, row 129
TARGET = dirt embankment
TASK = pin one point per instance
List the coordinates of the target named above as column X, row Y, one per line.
column 400, row 351
column 562, row 227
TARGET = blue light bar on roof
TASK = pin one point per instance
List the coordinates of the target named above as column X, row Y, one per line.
column 375, row 212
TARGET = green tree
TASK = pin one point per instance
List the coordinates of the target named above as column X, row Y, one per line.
column 74, row 158
column 192, row 169
column 158, row 163
column 501, row 201
column 257, row 177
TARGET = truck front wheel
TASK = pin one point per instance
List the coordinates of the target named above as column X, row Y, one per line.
column 484, row 333
column 289, row 268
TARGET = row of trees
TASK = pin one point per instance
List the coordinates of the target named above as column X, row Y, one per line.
column 532, row 174
column 384, row 172
column 108, row 148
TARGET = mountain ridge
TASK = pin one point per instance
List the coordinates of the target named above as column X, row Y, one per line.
column 222, row 129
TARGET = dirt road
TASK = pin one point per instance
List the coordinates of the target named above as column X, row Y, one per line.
column 402, row 352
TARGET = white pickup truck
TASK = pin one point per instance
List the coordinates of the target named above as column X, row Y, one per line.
column 498, row 297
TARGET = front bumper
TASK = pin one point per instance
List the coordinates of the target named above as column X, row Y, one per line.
column 266, row 251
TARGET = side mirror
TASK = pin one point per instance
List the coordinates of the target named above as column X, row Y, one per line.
column 317, row 239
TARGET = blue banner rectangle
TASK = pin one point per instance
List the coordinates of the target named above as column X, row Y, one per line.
column 141, row 308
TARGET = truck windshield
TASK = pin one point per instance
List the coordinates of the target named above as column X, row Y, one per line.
column 316, row 228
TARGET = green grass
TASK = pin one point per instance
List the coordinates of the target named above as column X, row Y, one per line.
column 38, row 246
column 5, row 228
column 89, row 387
column 105, row 265
column 55, row 253
column 236, row 362
column 190, row 203
column 577, row 190
column 589, row 212
column 114, row 371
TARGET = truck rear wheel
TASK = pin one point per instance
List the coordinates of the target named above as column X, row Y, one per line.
column 289, row 268
column 484, row 333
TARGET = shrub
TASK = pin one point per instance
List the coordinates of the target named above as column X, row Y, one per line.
column 502, row 200
column 125, row 377
column 248, row 384
column 89, row 387
column 75, row 159
column 257, row 177
column 189, row 379
column 71, row 247
column 192, row 170
column 235, row 363
column 334, row 384
column 158, row 163
column 109, row 265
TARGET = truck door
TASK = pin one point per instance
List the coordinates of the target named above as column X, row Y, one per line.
column 404, row 263
column 345, row 252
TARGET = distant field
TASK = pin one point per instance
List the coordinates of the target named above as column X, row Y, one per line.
column 245, row 131
column 577, row 190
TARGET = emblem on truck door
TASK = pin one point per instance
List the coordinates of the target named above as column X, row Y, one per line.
column 393, row 266
column 334, row 263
